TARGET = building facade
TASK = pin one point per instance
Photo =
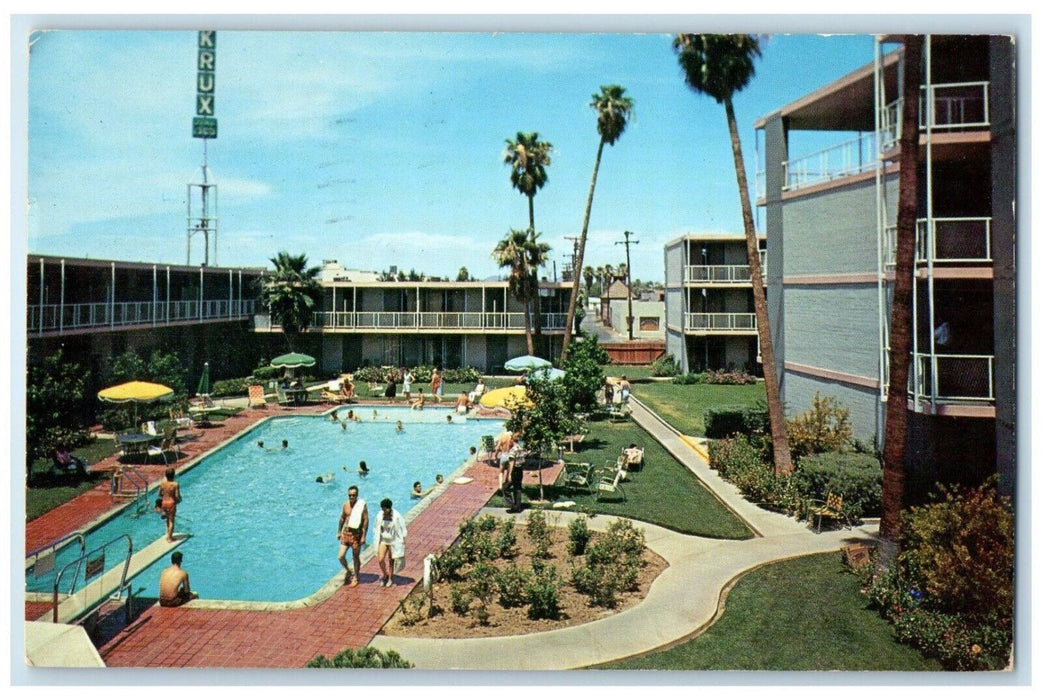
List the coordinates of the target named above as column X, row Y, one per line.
column 831, row 238
column 710, row 319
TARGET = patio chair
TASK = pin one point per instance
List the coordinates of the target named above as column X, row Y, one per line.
column 376, row 389
column 612, row 484
column 257, row 399
column 578, row 476
column 281, row 397
column 829, row 509
column 169, row 444
column 619, row 413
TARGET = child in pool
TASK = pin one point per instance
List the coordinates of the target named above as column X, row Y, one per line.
column 363, row 470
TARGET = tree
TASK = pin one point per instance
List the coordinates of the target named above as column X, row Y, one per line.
column 720, row 65
column 896, row 425
column 463, row 275
column 588, row 275
column 528, row 158
column 291, row 294
column 55, row 412
column 613, row 111
column 513, row 252
column 584, row 375
column 543, row 420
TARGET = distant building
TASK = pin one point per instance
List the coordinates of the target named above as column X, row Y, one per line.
column 831, row 222
column 710, row 320
column 649, row 319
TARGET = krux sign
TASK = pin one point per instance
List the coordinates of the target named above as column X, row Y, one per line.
column 204, row 125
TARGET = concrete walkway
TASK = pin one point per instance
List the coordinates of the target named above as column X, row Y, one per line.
column 684, row 600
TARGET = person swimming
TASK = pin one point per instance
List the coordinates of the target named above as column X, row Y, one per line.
column 352, row 417
column 399, row 427
column 333, row 417
column 362, row 468
column 325, row 479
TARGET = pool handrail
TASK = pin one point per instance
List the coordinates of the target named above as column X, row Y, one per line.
column 31, row 558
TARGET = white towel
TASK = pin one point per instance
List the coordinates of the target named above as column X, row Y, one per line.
column 354, row 521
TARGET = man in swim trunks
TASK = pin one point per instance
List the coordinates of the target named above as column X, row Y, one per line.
column 170, row 495
column 174, row 588
column 354, row 522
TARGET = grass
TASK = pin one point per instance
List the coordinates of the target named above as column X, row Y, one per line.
column 45, row 491
column 683, row 405
column 664, row 492
column 803, row 614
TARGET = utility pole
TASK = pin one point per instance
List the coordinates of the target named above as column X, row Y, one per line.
column 629, row 277
column 575, row 252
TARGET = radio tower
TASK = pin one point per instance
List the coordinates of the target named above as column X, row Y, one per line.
column 202, row 195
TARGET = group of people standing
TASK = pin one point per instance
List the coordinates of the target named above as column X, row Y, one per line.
column 351, row 533
column 407, row 379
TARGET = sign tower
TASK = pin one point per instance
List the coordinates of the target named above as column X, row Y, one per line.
column 202, row 194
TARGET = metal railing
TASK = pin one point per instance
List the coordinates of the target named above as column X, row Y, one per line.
column 63, row 317
column 93, row 565
column 721, row 274
column 946, row 240
column 41, row 560
column 955, row 106
column 433, row 320
column 954, row 378
column 720, row 322
column 854, row 156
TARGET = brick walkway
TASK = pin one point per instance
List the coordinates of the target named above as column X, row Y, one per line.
column 212, row 638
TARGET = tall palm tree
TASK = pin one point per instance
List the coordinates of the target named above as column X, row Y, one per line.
column 520, row 252
column 291, row 294
column 528, row 158
column 588, row 274
column 720, row 65
column 614, row 110
column 896, row 426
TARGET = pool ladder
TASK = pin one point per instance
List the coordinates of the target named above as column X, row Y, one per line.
column 139, row 492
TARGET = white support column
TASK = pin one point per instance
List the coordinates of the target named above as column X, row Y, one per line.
column 200, row 292
column 61, row 301
column 155, row 292
column 168, row 294
column 929, row 242
column 112, row 297
column 231, row 285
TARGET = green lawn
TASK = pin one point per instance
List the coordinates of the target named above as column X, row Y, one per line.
column 45, row 491
column 803, row 614
column 663, row 493
column 683, row 405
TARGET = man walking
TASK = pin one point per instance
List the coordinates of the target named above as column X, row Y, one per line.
column 354, row 522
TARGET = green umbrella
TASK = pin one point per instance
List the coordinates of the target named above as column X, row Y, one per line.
column 204, row 381
column 525, row 363
column 293, row 360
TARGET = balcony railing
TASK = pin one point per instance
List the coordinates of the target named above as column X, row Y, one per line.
column 955, row 106
column 720, row 322
column 433, row 320
column 857, row 155
column 946, row 240
column 72, row 317
column 954, row 378
column 722, row 274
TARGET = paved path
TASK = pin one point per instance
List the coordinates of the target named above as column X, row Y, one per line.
column 683, row 600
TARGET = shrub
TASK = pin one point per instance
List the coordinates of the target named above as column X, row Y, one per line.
column 745, row 465
column 734, row 377
column 512, row 582
column 584, row 376
column 950, row 590
column 543, row 593
column 450, row 564
column 824, row 427
column 55, row 414
column 723, row 421
column 690, row 378
column 461, row 598
column 612, row 564
column 267, row 373
column 578, row 536
column 665, row 366
column 857, row 477
column 486, row 523
column 540, row 535
column 230, row 387
column 506, row 544
column 366, row 657
column 482, row 583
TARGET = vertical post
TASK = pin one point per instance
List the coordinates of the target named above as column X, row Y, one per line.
column 42, row 301
column 155, row 291
column 112, row 297
column 61, row 301
column 200, row 292
column 231, row 290
column 629, row 282
column 168, row 294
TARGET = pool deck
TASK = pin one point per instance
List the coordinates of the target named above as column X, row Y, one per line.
column 201, row 636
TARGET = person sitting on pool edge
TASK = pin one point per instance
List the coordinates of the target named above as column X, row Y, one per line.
column 417, row 405
column 462, row 403
column 174, row 588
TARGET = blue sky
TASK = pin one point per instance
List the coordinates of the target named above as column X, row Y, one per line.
column 381, row 149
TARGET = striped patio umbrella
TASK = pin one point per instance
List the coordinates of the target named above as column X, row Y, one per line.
column 293, row 360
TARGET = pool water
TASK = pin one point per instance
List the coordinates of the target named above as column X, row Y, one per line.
column 262, row 528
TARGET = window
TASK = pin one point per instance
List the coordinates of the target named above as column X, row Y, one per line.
column 649, row 323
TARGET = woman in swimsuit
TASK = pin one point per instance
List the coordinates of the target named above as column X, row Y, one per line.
column 170, row 496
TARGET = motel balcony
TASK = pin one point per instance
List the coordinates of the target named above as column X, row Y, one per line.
column 945, row 380
column 951, row 240
column 420, row 322
column 721, row 275
column 58, row 319
column 720, row 323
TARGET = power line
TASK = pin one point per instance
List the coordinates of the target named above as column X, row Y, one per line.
column 629, row 284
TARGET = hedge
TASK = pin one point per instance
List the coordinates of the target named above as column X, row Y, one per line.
column 723, row 421
column 855, row 476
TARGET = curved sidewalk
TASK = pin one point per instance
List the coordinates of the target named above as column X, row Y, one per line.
column 681, row 603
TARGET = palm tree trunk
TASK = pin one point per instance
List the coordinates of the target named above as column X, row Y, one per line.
column 896, row 426
column 537, row 319
column 779, row 434
column 570, row 320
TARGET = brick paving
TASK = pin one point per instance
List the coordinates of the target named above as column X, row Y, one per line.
column 201, row 637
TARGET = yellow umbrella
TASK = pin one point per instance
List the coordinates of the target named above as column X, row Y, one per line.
column 135, row 391
column 508, row 396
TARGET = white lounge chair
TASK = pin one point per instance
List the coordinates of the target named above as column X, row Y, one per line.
column 612, row 485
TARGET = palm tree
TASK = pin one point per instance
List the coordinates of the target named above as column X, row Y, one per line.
column 291, row 293
column 613, row 111
column 588, row 274
column 522, row 252
column 895, row 427
column 528, row 158
column 720, row 65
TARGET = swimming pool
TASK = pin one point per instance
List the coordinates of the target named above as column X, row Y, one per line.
column 262, row 528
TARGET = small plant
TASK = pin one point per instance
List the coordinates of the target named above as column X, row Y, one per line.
column 461, row 598
column 512, row 583
column 450, row 564
column 824, row 427
column 665, row 366
column 482, row 583
column 366, row 657
column 506, row 544
column 487, row 523
column 412, row 611
column 543, row 592
column 578, row 536
column 540, row 535
column 612, row 565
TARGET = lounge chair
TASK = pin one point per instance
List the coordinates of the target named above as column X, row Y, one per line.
column 257, row 399
column 376, row 389
column 634, row 458
column 280, row 396
column 619, row 413
column 612, row 484
column 578, row 476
